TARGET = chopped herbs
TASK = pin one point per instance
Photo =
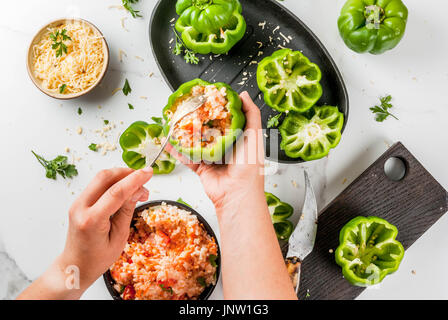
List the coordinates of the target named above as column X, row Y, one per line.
column 57, row 166
column 273, row 122
column 180, row 48
column 62, row 88
column 58, row 42
column 183, row 202
column 166, row 289
column 126, row 88
column 212, row 258
column 201, row 281
column 93, row 147
column 106, row 122
column 79, row 111
column 127, row 6
column 382, row 111
column 157, row 120
column 131, row 107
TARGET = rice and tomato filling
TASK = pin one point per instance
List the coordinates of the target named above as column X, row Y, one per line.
column 169, row 256
column 202, row 127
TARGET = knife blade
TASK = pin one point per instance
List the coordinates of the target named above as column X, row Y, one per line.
column 301, row 242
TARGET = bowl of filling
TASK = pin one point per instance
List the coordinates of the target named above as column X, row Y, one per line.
column 67, row 58
column 171, row 254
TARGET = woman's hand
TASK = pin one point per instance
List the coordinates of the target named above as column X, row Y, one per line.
column 99, row 223
column 229, row 184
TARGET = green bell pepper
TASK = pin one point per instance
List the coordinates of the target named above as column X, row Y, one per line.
column 210, row 26
column 368, row 250
column 216, row 152
column 289, row 81
column 373, row 26
column 141, row 140
column 280, row 212
column 311, row 135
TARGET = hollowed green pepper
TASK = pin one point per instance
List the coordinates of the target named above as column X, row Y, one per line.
column 216, row 152
column 373, row 26
column 280, row 212
column 368, row 250
column 311, row 135
column 210, row 26
column 289, row 81
column 141, row 140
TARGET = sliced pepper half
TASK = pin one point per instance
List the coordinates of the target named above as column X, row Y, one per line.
column 373, row 26
column 222, row 143
column 280, row 212
column 289, row 81
column 311, row 135
column 141, row 140
column 368, row 250
column 210, row 26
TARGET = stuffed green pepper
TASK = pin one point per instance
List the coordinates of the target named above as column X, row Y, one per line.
column 140, row 142
column 311, row 135
column 289, row 81
column 210, row 26
column 207, row 133
column 373, row 26
column 368, row 250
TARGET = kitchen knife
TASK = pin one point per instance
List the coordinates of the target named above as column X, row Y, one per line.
column 302, row 239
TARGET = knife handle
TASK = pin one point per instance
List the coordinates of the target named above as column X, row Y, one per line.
column 294, row 266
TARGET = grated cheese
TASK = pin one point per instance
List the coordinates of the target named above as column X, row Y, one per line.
column 79, row 69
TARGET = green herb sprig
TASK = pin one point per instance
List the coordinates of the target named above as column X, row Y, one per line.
column 180, row 48
column 382, row 111
column 58, row 38
column 57, row 166
column 93, row 147
column 274, row 122
column 126, row 88
column 166, row 289
column 127, row 5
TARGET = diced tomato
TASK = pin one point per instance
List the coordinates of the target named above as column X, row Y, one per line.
column 165, row 238
column 129, row 293
column 129, row 260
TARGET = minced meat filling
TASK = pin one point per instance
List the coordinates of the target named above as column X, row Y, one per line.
column 205, row 125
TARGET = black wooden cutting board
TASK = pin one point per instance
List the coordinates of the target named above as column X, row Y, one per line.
column 413, row 204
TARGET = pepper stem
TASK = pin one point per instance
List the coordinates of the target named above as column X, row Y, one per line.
column 202, row 4
column 374, row 16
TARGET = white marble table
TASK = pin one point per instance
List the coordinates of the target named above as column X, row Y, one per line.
column 33, row 218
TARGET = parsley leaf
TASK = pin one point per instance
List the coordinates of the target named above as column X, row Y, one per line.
column 58, row 45
column 131, row 107
column 106, row 122
column 201, row 281
column 127, row 6
column 166, row 289
column 93, row 147
column 79, row 111
column 212, row 259
column 57, row 166
column 274, row 122
column 180, row 48
column 382, row 112
column 62, row 88
column 126, row 88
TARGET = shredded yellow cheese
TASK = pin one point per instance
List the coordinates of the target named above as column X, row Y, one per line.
column 79, row 69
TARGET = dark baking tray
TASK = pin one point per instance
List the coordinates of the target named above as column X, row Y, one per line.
column 110, row 282
column 230, row 68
